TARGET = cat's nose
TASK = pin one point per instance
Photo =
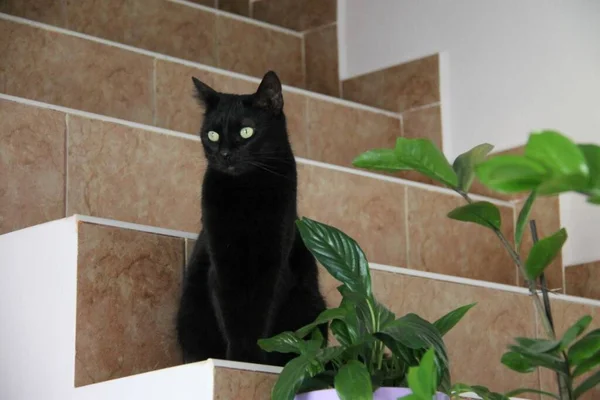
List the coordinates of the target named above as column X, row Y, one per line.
column 226, row 154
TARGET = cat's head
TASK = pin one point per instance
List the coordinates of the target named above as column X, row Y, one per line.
column 243, row 133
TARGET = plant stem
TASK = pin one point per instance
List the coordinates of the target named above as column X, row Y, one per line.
column 531, row 285
column 564, row 382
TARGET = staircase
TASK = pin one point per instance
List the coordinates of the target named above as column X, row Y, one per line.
column 101, row 170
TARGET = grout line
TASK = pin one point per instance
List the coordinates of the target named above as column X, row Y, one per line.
column 300, row 160
column 306, row 126
column 251, row 9
column 423, row 107
column 66, row 163
column 406, row 230
column 373, row 266
column 192, row 64
column 154, row 94
column 237, row 17
column 303, row 57
column 321, row 27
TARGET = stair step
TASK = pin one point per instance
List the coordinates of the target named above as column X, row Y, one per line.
column 143, row 174
column 94, row 268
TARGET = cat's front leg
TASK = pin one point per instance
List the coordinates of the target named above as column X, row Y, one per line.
column 245, row 311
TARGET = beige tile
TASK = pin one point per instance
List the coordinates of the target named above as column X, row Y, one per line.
column 565, row 314
column 240, row 7
column 176, row 106
column 73, row 72
column 339, row 133
column 439, row 244
column 397, row 88
column 370, row 211
column 295, row 108
column 583, row 280
column 321, row 54
column 299, row 15
column 235, row 384
column 46, row 11
column 253, row 50
column 178, row 109
column 157, row 25
column 133, row 175
column 423, row 123
column 32, row 166
column 546, row 213
column 128, row 286
column 476, row 344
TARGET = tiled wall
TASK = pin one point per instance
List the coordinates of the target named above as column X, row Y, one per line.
column 131, row 174
column 203, row 36
column 583, row 280
column 117, row 266
column 128, row 286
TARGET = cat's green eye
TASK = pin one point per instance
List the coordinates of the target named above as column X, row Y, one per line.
column 213, row 136
column 246, row 132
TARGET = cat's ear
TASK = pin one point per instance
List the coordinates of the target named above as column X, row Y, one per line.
column 269, row 96
column 207, row 96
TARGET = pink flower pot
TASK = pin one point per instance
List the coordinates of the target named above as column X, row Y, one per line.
column 384, row 393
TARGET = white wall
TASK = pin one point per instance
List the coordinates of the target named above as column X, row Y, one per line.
column 508, row 67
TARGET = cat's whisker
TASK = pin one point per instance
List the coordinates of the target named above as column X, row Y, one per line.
column 267, row 169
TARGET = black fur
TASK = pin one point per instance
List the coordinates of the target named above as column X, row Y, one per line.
column 250, row 276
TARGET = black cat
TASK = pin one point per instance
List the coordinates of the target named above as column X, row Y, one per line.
column 250, row 275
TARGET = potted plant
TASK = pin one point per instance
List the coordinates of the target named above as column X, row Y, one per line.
column 378, row 354
column 376, row 349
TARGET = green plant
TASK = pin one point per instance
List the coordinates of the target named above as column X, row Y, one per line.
column 552, row 164
column 375, row 348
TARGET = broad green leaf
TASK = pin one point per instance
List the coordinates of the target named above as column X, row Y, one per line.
column 380, row 160
column 353, row 382
column 285, row 342
column 517, row 362
column 321, row 381
column 543, row 252
column 482, row 213
column 538, row 345
column 422, row 380
column 448, row 321
column 557, row 153
column 563, row 158
column 297, row 370
column 341, row 256
column 591, row 152
column 415, row 333
column 518, row 392
column 511, row 174
column 524, row 218
column 587, row 365
column 585, row 347
column 586, row 385
column 592, row 158
column 325, row 316
column 574, row 331
column 540, row 359
column 464, row 165
column 290, row 379
column 423, row 156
